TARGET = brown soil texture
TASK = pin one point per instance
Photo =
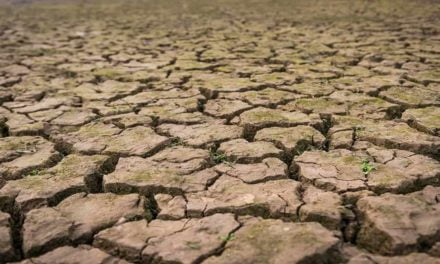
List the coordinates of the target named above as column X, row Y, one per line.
column 221, row 131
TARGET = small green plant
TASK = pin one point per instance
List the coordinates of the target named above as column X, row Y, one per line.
column 227, row 238
column 34, row 172
column 366, row 167
column 200, row 106
column 193, row 245
column 175, row 141
column 217, row 157
column 305, row 145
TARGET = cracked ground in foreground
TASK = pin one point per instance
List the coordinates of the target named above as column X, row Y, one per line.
column 220, row 132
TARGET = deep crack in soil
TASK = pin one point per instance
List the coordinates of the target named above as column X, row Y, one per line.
column 219, row 131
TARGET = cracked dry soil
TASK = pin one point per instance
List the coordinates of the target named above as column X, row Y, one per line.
column 220, row 131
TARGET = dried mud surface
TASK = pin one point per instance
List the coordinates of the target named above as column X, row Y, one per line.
column 220, row 131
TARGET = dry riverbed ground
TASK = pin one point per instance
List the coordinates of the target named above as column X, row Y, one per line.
column 220, row 131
